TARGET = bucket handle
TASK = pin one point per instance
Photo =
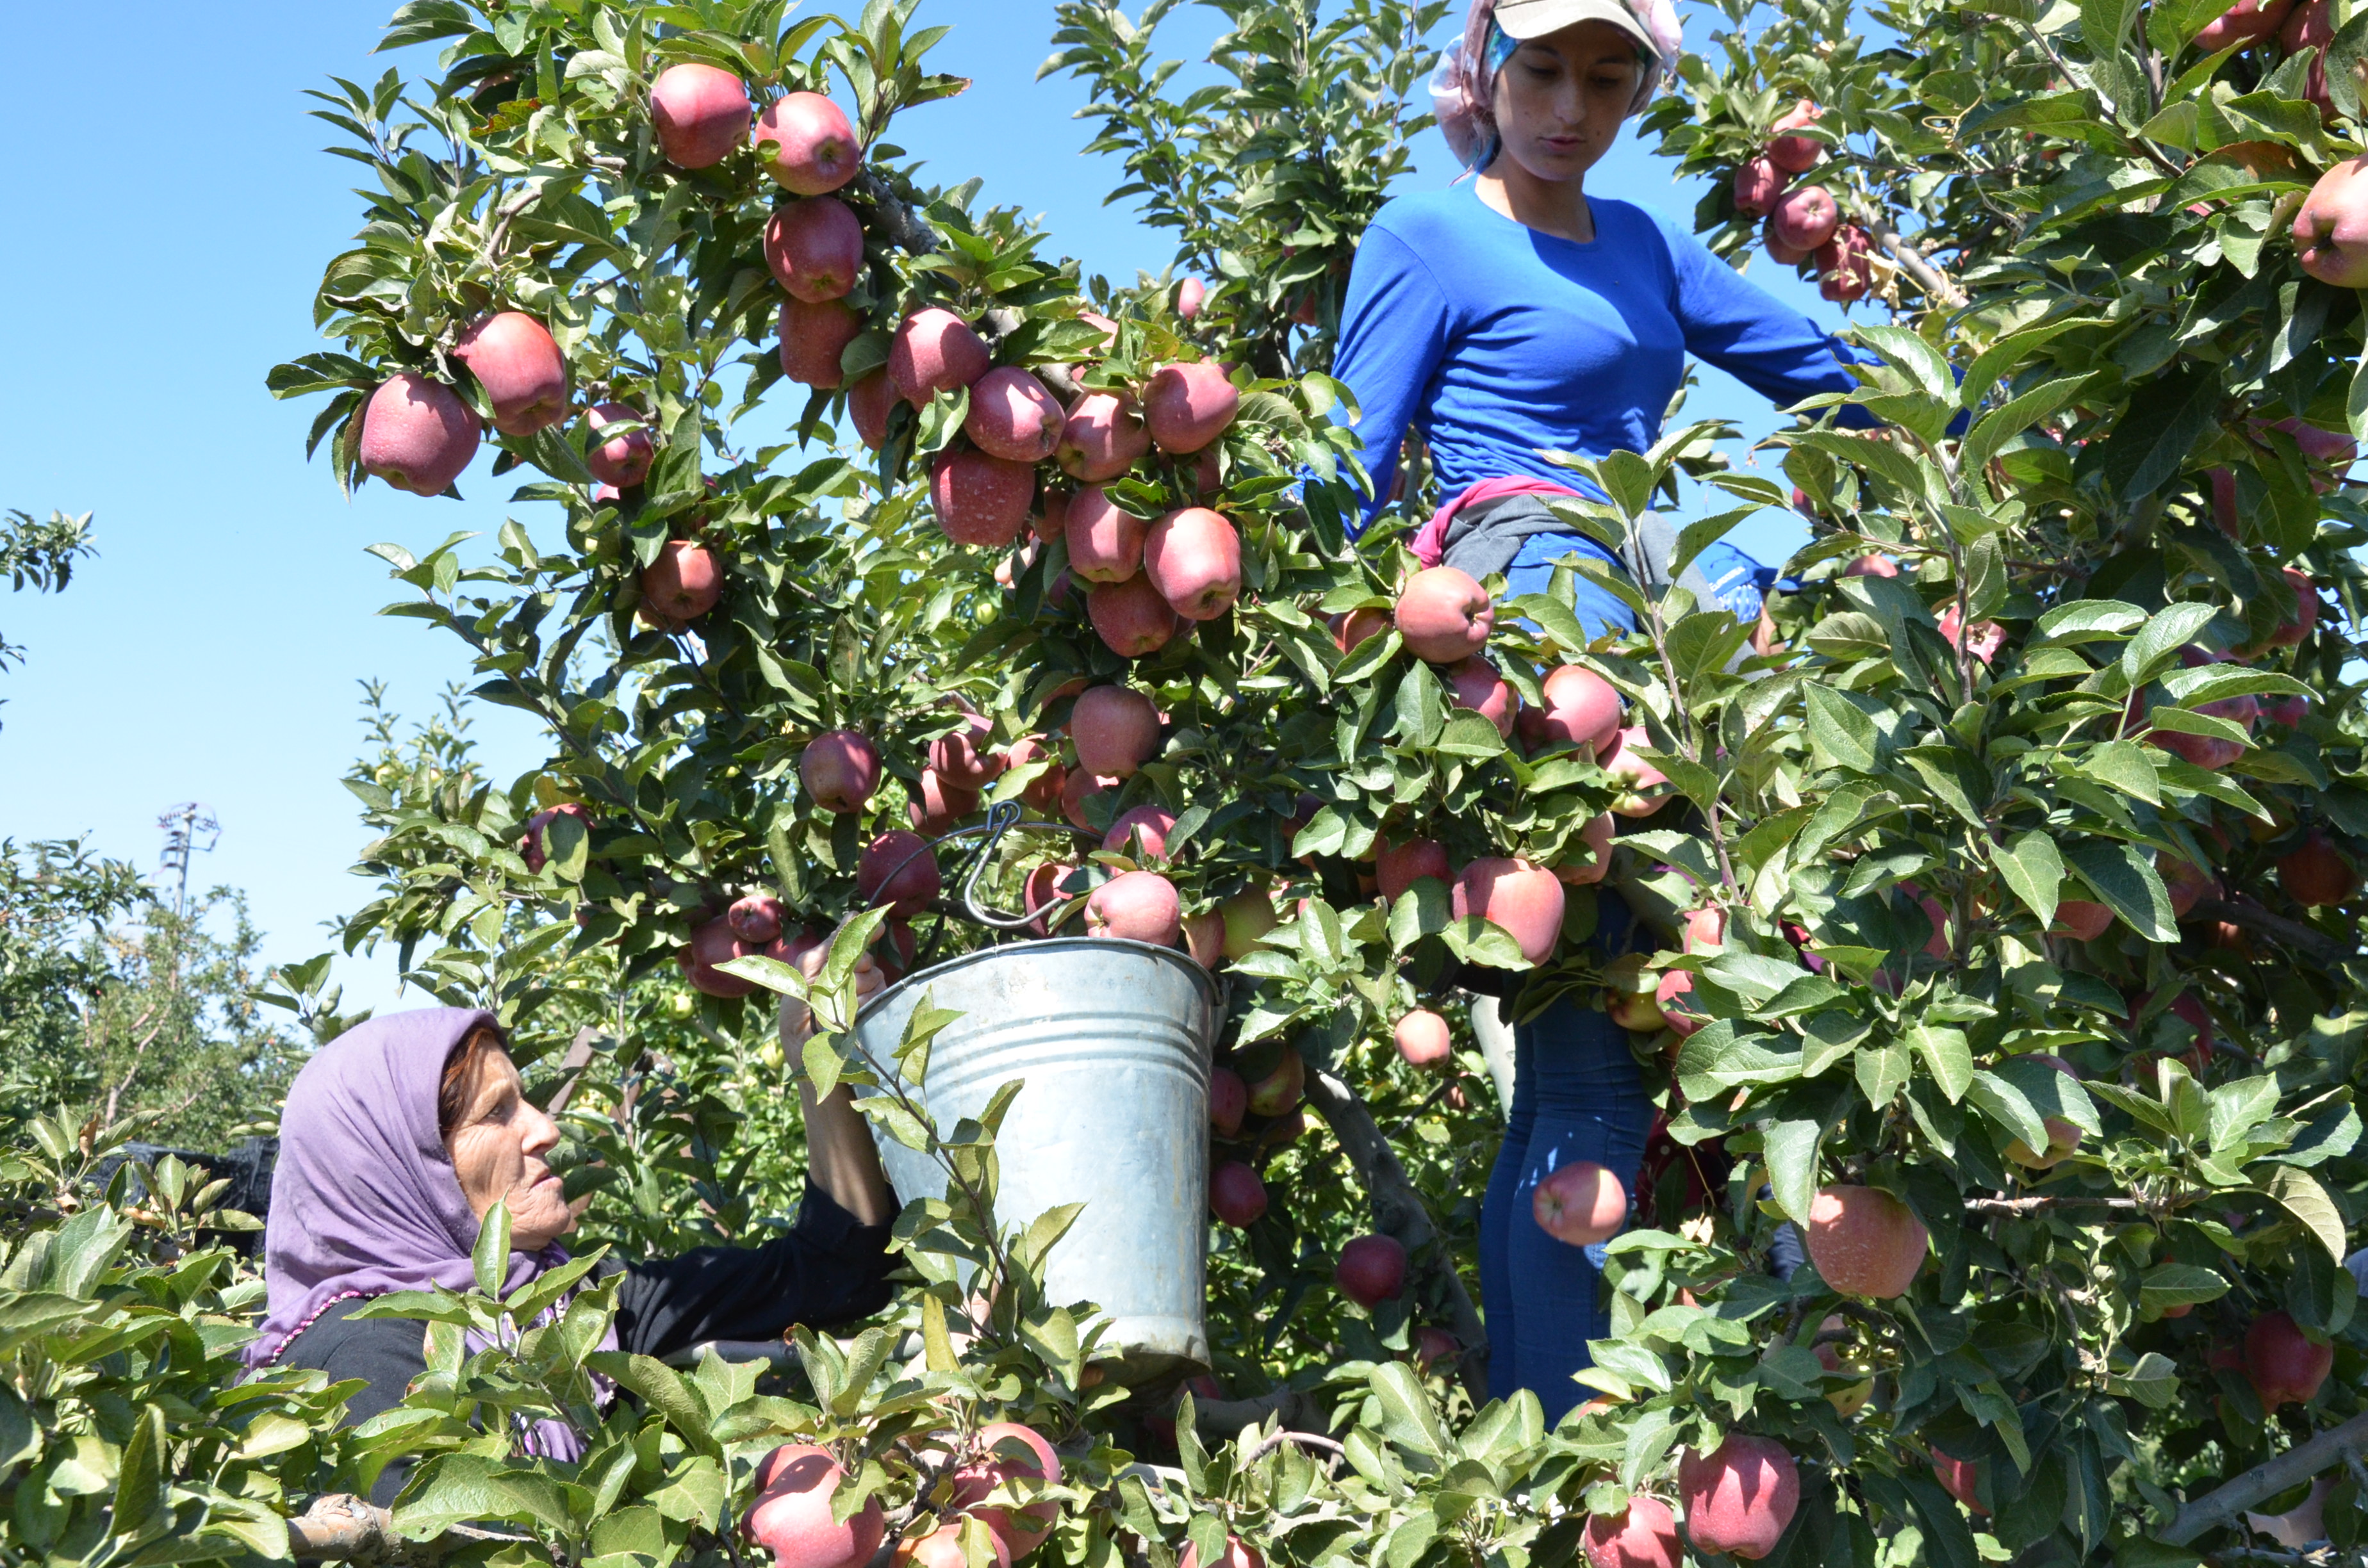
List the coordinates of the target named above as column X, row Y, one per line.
column 1001, row 818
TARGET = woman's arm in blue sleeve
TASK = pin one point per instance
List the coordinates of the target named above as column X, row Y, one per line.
column 1393, row 334
column 1755, row 337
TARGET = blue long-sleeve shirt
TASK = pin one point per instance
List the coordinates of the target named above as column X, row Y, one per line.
column 1497, row 341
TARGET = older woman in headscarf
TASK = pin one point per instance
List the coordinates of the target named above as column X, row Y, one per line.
column 1508, row 315
column 403, row 1133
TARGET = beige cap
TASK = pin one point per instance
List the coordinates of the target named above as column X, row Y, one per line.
column 1526, row 19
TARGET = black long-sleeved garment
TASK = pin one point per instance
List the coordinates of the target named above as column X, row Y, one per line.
column 829, row 1269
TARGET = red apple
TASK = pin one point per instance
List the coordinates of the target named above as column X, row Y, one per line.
column 791, row 1516
column 1130, row 617
column 961, row 756
column 805, row 144
column 1673, row 997
column 1444, row 616
column 1843, row 270
column 1116, row 730
column 1871, row 566
column 622, row 460
column 2282, row 1365
column 1013, row 415
column 2315, row 874
column 1041, row 891
column 1105, row 542
column 2331, row 229
column 2186, row 885
column 942, row 1548
column 980, row 500
column 1796, row 155
column 1248, row 916
column 814, row 339
column 1757, row 183
column 1739, row 1497
column 1960, row 1479
column 869, row 403
column 1630, row 995
column 1423, row 1038
column 1016, row 1531
column 1139, row 905
column 939, row 806
column 1778, row 251
column 1642, row 1535
column 935, row 351
column 418, row 434
column 1077, row 786
column 701, row 115
column 2291, row 632
column 683, row 583
column 1204, row 937
column 899, row 871
column 814, row 248
column 755, row 919
column 530, row 845
column 1189, row 294
column 712, row 943
column 1434, row 1347
column 1473, row 683
column 1591, row 859
column 2081, row 920
column 1193, row 558
column 840, row 770
column 1524, row 899
column 1141, row 832
column 1229, row 1100
column 2242, row 23
column 1645, row 788
column 1804, row 216
column 1865, row 1242
column 525, row 376
column 1235, row 1194
column 1397, row 867
column 1185, row 407
column 1103, row 437
column 1371, row 1270
column 1353, row 628
column 1581, row 708
column 1580, row 1203
column 1051, row 520
column 1276, row 1090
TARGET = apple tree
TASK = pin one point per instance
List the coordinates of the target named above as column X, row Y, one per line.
column 2001, row 920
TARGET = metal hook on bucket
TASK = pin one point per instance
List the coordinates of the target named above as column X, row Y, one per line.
column 1001, row 818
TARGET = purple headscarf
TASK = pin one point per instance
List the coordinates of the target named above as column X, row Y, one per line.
column 364, row 1199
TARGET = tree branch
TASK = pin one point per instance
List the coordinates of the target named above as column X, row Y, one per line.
column 897, row 220
column 2298, row 1465
column 342, row 1529
column 1398, row 1211
column 2044, row 1200
column 1935, row 284
column 2307, row 940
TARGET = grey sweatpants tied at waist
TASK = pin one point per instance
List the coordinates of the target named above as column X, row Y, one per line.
column 1484, row 538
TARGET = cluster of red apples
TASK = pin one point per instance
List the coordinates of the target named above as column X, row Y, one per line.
column 793, row 1515
column 1804, row 223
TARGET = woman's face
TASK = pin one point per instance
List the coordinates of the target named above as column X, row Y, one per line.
column 1560, row 99
column 497, row 1152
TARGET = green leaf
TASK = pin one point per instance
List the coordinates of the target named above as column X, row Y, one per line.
column 2034, row 870
column 2300, row 1195
column 141, row 1507
column 1408, row 1419
column 1948, row 1058
column 1840, row 729
column 1792, row 1149
column 2179, row 1285
column 490, row 1259
column 2125, row 881
column 665, row 1390
column 2006, row 1105
column 2153, row 1381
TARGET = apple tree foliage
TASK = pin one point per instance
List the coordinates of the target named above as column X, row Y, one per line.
column 2079, row 229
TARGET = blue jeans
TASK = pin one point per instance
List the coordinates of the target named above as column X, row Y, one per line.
column 1578, row 1095
column 1738, row 579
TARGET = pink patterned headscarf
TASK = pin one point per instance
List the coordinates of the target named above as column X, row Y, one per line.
column 1464, row 87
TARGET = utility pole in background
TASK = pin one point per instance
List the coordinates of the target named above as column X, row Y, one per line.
column 182, row 824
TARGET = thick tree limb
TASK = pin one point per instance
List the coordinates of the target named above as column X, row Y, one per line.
column 2307, row 940
column 1935, row 283
column 341, row 1528
column 2223, row 1504
column 903, row 226
column 1398, row 1211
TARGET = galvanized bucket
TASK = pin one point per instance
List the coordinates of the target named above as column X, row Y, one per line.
column 1112, row 1040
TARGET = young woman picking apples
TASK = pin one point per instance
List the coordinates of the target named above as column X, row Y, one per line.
column 402, row 1134
column 1507, row 315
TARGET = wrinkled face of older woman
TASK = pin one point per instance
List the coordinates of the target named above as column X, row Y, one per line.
column 498, row 1149
column 1560, row 99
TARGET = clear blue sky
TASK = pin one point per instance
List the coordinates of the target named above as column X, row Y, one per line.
column 168, row 241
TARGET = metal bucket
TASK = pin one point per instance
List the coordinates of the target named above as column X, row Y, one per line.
column 1112, row 1040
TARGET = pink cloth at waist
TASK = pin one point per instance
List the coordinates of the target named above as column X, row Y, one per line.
column 1430, row 539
